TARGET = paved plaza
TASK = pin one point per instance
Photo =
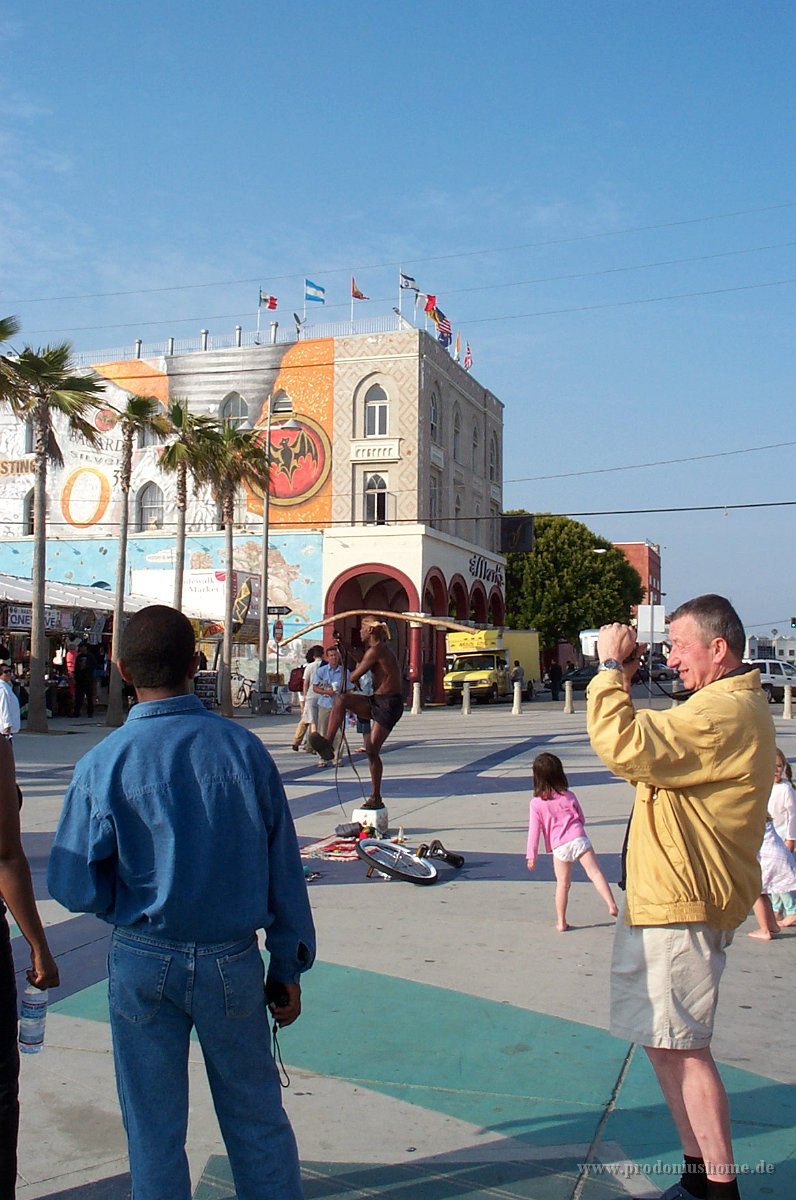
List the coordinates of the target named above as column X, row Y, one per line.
column 452, row 1044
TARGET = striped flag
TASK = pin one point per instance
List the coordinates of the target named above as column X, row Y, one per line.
column 408, row 282
column 431, row 305
column 267, row 301
column 355, row 292
column 468, row 357
column 314, row 291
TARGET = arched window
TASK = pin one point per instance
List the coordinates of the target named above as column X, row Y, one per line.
column 457, row 436
column 28, row 521
column 149, row 508
column 433, row 415
column 281, row 403
column 376, row 411
column 476, row 451
column 233, row 411
column 375, row 500
column 494, row 464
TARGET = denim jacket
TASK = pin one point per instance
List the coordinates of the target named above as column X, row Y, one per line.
column 177, row 826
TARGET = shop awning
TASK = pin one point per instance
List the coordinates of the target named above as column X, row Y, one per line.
column 15, row 590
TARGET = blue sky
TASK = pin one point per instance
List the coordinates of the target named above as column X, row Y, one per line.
column 601, row 196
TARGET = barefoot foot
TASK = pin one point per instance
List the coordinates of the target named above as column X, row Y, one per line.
column 762, row 935
column 786, row 922
column 563, row 928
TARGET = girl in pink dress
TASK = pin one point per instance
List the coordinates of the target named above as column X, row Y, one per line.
column 555, row 812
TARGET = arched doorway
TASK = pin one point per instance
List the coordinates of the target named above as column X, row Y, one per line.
column 435, row 602
column 478, row 603
column 497, row 607
column 375, row 585
column 458, row 599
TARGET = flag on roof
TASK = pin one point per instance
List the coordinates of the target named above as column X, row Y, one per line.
column 443, row 328
column 431, row 304
column 468, row 357
column 408, row 282
column 314, row 291
column 355, row 292
column 267, row 301
column 458, row 347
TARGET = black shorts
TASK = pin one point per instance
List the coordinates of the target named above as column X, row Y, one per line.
column 386, row 710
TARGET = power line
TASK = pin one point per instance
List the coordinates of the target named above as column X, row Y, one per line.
column 415, row 262
column 663, row 462
column 544, row 312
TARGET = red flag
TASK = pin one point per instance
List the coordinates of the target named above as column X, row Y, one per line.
column 431, row 304
column 267, row 301
column 355, row 292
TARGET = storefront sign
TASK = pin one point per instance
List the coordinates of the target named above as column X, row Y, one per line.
column 481, row 568
column 17, row 466
column 20, row 618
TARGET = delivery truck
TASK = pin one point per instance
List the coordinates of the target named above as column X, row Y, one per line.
column 484, row 658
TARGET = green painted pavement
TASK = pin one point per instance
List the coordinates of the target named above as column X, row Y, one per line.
column 539, row 1079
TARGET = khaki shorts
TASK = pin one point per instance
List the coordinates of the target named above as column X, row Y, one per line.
column 665, row 983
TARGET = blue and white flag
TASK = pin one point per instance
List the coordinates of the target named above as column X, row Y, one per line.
column 313, row 291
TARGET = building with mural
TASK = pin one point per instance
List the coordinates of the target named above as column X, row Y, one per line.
column 386, row 486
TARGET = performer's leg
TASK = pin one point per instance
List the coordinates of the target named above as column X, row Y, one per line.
column 373, row 744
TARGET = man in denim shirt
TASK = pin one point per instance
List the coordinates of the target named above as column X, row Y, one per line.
column 176, row 831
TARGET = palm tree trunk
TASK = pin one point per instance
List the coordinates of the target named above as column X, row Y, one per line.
column 179, row 556
column 115, row 714
column 229, row 602
column 37, row 698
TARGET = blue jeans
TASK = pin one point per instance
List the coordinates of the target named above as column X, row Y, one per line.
column 159, row 990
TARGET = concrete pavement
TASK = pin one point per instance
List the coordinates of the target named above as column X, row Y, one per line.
column 452, row 1043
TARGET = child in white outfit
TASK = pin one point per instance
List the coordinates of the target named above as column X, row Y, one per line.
column 555, row 812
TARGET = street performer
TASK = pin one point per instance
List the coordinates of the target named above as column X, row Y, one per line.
column 702, row 777
column 384, row 708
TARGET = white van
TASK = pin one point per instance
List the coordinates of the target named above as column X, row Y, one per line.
column 774, row 674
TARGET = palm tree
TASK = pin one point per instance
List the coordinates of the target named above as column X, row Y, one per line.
column 195, row 443
column 37, row 384
column 141, row 414
column 240, row 458
column 8, row 327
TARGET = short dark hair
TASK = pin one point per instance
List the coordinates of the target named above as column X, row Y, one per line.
column 314, row 652
column 157, row 647
column 715, row 617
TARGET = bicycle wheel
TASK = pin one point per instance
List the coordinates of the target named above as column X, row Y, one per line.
column 241, row 696
column 396, row 861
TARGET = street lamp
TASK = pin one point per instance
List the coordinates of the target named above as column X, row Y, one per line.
column 262, row 669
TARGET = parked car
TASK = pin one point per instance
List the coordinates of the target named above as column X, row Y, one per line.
column 774, row 674
column 662, row 670
column 580, row 678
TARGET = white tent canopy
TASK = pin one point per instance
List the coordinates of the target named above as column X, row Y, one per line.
column 15, row 590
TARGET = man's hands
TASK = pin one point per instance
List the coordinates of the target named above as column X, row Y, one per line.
column 616, row 641
column 43, row 971
column 287, row 1013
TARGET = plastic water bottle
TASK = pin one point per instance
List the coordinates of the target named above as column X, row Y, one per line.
column 32, row 1017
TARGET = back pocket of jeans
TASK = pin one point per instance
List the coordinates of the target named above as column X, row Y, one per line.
column 136, row 979
column 243, row 978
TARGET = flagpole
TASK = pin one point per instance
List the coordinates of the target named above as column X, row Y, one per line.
column 400, row 298
column 352, row 303
column 259, row 306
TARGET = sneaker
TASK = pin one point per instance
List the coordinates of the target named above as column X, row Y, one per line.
column 321, row 746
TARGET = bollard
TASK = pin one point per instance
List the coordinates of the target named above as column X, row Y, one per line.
column 466, row 699
column 569, row 707
column 415, row 699
column 516, row 707
column 787, row 703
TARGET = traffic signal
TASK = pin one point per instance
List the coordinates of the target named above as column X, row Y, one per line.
column 793, row 622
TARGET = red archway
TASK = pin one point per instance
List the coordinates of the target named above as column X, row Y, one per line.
column 478, row 603
column 376, row 585
column 458, row 599
column 496, row 607
column 435, row 602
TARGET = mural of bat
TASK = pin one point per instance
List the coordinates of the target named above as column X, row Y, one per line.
column 287, row 456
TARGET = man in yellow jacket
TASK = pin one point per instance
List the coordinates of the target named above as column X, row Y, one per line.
column 702, row 773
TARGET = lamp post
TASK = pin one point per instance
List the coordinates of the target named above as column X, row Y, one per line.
column 262, row 669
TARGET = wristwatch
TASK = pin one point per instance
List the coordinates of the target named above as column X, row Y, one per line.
column 610, row 664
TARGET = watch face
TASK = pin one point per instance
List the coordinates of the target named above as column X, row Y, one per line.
column 610, row 664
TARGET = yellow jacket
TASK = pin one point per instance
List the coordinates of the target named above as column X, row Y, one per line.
column 702, row 773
